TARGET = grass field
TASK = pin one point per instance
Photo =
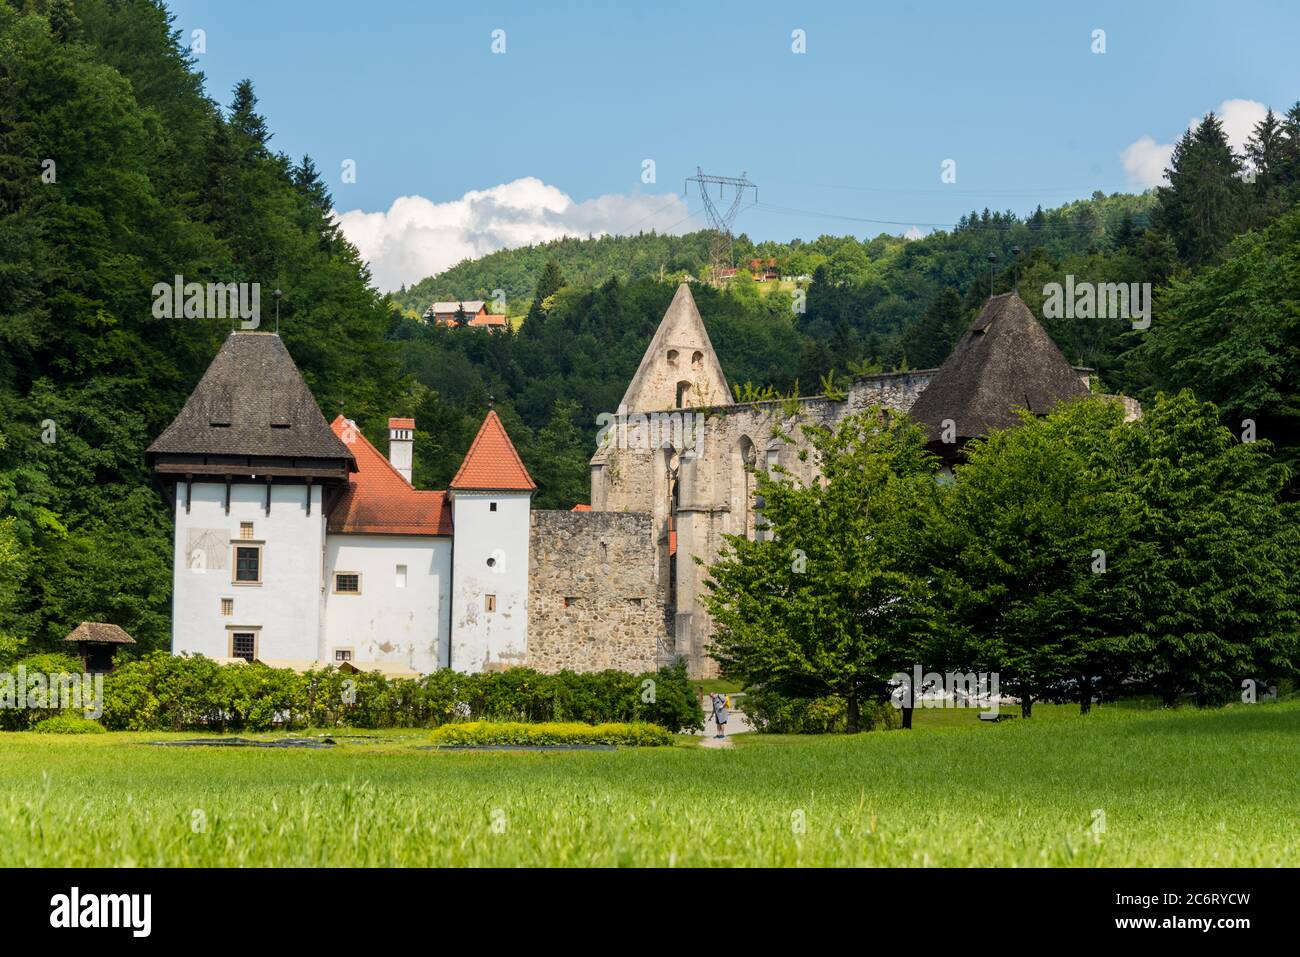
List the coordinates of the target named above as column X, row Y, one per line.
column 1176, row 788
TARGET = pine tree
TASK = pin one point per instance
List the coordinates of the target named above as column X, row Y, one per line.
column 1203, row 206
column 244, row 118
column 548, row 284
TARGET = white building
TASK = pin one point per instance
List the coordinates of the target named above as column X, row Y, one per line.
column 299, row 544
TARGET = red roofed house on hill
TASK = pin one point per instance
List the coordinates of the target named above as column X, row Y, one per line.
column 473, row 312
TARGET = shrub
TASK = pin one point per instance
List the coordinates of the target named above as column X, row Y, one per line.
column 772, row 713
column 161, row 692
column 49, row 665
column 68, row 723
column 487, row 733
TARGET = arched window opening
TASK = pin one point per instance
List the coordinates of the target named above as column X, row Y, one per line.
column 683, row 390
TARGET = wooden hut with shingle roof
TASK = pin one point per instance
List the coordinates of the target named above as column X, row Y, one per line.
column 97, row 642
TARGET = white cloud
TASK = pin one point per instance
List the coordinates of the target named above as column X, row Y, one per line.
column 1145, row 160
column 1239, row 118
column 418, row 237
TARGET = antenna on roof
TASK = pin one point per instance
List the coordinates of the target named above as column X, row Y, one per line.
column 993, row 258
column 491, row 401
column 1015, row 251
column 277, row 294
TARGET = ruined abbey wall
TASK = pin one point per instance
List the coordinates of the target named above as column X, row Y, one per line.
column 703, row 491
column 597, row 587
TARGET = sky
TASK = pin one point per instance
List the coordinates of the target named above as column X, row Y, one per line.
column 474, row 127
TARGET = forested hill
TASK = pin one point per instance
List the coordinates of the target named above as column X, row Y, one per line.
column 593, row 260
column 118, row 172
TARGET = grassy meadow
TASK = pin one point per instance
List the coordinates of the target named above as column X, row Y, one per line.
column 1184, row 787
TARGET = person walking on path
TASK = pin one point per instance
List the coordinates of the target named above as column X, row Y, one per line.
column 719, row 713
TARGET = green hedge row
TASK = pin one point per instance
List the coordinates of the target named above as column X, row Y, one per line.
column 162, row 692
column 496, row 733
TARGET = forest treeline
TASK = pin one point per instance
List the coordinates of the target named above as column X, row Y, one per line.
column 118, row 171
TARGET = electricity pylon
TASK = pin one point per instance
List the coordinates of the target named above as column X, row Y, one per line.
column 720, row 249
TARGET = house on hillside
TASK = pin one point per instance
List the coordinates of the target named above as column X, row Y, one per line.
column 474, row 312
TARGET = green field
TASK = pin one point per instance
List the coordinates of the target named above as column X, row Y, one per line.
column 1176, row 788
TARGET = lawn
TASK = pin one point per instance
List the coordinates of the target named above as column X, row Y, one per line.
column 1176, row 788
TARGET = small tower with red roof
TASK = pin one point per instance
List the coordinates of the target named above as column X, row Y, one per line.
column 491, row 502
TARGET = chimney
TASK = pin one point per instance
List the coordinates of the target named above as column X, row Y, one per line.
column 401, row 442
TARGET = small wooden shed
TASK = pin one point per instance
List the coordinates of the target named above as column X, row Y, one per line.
column 97, row 642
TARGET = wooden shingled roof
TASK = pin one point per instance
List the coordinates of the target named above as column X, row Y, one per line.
column 1003, row 362
column 98, row 632
column 252, row 401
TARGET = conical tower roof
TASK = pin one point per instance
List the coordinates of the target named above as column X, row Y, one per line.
column 1005, row 361
column 492, row 464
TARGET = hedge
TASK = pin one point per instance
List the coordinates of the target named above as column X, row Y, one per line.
column 490, row 733
column 162, row 692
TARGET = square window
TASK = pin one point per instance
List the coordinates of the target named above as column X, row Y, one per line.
column 248, row 564
column 492, row 506
column 246, row 531
column 401, row 576
column 347, row 583
column 227, row 606
column 243, row 644
column 489, row 602
column 342, row 654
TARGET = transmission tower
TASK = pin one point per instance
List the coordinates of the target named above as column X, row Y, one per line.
column 720, row 251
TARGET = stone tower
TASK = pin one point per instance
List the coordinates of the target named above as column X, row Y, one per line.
column 680, row 369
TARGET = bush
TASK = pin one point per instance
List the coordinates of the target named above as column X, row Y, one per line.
column 772, row 713
column 487, row 733
column 161, row 692
column 13, row 718
column 68, row 723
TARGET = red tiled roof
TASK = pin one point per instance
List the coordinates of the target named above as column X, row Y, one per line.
column 378, row 500
column 492, row 463
column 580, row 508
column 401, row 423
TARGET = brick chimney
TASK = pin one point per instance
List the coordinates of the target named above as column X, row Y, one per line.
column 401, row 442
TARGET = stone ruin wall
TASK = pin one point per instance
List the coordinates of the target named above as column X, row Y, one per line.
column 597, row 586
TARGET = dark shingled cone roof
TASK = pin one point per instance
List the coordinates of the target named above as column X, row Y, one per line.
column 1003, row 362
column 100, row 632
column 251, row 387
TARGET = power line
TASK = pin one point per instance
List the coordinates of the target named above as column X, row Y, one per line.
column 1045, row 225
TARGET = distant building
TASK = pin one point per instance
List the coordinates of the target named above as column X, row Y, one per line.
column 763, row 270
column 474, row 311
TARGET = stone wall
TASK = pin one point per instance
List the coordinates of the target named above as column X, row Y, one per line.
column 597, row 587
column 706, row 492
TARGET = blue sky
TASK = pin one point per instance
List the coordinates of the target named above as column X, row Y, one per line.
column 497, row 149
